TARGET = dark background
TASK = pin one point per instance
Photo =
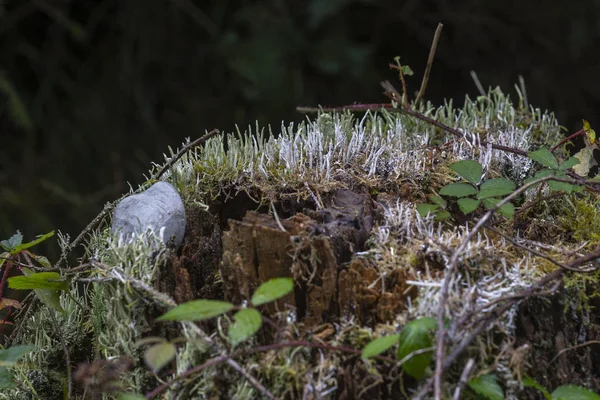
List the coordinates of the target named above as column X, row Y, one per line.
column 92, row 91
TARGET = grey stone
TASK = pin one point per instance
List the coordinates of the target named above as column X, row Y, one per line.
column 158, row 207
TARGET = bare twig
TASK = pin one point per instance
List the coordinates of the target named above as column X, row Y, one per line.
column 253, row 381
column 573, row 348
column 436, row 38
column 477, row 83
column 184, row 150
column 463, row 378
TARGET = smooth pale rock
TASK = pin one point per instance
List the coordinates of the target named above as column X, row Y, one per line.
column 158, row 207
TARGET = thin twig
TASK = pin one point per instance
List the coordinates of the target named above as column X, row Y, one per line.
column 253, row 381
column 463, row 378
column 432, row 50
column 477, row 83
column 184, row 150
column 523, row 91
column 573, row 348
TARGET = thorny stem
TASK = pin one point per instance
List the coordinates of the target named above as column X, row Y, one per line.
column 573, row 136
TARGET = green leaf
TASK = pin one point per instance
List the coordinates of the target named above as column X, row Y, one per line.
column 407, row 71
column 570, row 392
column 458, row 190
column 530, row 382
column 379, row 345
column 415, row 336
column 49, row 297
column 468, row 204
column 271, row 290
column 508, row 210
column 196, row 310
column 159, row 355
column 39, row 280
column 487, row 386
column 247, row 322
column 544, row 157
column 437, row 200
column 561, row 186
column 25, row 246
column 495, row 188
column 469, row 170
column 10, row 356
column 591, row 134
column 442, row 215
column 13, row 242
column 424, row 208
column 570, row 163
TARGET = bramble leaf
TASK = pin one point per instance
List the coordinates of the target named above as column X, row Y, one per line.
column 458, row 190
column 487, row 386
column 377, row 346
column 271, row 290
column 571, row 392
column 425, row 208
column 247, row 322
column 544, row 157
column 196, row 310
column 495, row 188
column 438, row 200
column 530, row 382
column 159, row 355
column 570, row 163
column 469, row 170
column 508, row 209
column 468, row 204
column 415, row 336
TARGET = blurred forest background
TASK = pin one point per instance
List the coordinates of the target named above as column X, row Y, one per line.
column 92, row 91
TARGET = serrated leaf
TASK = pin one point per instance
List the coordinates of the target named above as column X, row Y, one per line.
column 246, row 323
column 495, row 188
column 530, row 382
column 437, row 200
column 586, row 161
column 407, row 71
column 13, row 242
column 458, row 190
column 561, row 186
column 442, row 215
column 424, row 208
column 159, row 355
column 10, row 356
column 196, row 310
column 50, row 297
column 544, row 157
column 9, row 303
column 468, row 204
column 415, row 336
column 469, row 170
column 571, row 392
column 487, row 386
column 570, row 163
column 377, row 346
column 38, row 280
column 25, row 246
column 508, row 210
column 272, row 290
